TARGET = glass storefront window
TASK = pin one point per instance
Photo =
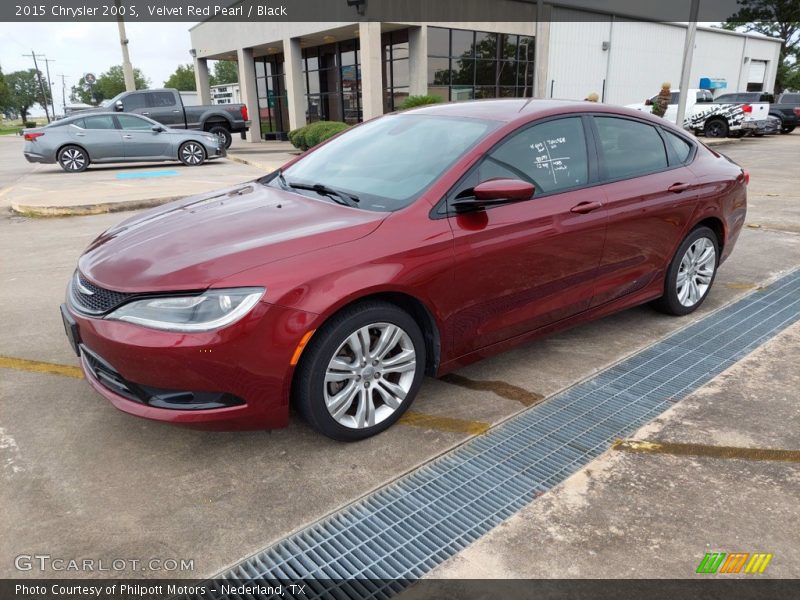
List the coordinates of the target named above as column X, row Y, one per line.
column 481, row 64
column 395, row 69
column 333, row 82
column 273, row 109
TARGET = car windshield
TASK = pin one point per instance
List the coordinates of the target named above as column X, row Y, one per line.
column 387, row 163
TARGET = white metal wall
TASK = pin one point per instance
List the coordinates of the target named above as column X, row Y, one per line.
column 643, row 55
column 578, row 63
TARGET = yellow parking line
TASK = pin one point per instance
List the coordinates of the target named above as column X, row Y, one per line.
column 35, row 366
column 422, row 420
column 706, row 450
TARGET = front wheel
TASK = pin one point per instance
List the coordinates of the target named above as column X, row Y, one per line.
column 361, row 371
column 192, row 154
column 691, row 273
column 716, row 128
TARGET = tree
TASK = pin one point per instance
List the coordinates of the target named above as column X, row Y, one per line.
column 108, row 85
column 225, row 71
column 775, row 18
column 182, row 79
column 24, row 91
column 5, row 95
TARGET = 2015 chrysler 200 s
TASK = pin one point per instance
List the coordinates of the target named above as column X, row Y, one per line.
column 414, row 243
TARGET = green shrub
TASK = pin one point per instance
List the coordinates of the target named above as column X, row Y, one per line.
column 315, row 133
column 29, row 124
column 414, row 101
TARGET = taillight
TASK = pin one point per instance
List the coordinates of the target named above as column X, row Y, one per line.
column 31, row 137
column 747, row 108
column 244, row 112
column 796, row 110
column 746, row 174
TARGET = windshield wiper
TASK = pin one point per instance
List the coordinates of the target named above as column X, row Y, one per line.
column 335, row 195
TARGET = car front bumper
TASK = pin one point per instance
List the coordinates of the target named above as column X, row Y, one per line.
column 235, row 378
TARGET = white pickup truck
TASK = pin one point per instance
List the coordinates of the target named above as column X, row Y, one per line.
column 712, row 118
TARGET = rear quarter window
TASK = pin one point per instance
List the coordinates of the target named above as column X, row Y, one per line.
column 681, row 149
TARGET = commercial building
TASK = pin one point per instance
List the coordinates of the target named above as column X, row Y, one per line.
column 300, row 72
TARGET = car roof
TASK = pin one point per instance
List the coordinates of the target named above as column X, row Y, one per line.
column 525, row 109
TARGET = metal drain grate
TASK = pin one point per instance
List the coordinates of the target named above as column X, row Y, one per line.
column 407, row 528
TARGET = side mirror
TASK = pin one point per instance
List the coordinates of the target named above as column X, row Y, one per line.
column 157, row 128
column 648, row 102
column 494, row 192
column 118, row 106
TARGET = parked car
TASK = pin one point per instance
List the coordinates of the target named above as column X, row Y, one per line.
column 786, row 108
column 412, row 244
column 100, row 137
column 711, row 118
column 166, row 106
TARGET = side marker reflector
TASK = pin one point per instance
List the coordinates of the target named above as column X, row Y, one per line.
column 299, row 350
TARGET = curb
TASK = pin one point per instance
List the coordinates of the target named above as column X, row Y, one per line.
column 721, row 141
column 88, row 209
column 246, row 161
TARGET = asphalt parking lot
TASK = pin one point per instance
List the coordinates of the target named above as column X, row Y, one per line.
column 83, row 480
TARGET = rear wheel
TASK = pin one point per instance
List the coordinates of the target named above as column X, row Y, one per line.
column 224, row 135
column 361, row 371
column 787, row 129
column 73, row 159
column 691, row 273
column 716, row 128
column 192, row 154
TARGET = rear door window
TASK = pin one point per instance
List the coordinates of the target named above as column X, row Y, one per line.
column 630, row 148
column 100, row 122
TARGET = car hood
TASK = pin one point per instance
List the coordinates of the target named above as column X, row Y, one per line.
column 195, row 242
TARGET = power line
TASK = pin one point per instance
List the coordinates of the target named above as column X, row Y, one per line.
column 47, row 62
column 63, row 92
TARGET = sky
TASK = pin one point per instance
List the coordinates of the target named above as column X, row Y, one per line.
column 77, row 48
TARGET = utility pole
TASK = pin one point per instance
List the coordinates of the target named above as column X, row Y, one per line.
column 33, row 55
column 63, row 93
column 127, row 68
column 47, row 62
column 688, row 52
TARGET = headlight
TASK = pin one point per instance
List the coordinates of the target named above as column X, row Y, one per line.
column 211, row 310
column 211, row 139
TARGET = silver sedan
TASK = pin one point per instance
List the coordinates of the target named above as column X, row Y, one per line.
column 106, row 137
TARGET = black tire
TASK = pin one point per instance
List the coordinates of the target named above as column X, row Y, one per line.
column 310, row 386
column 73, row 159
column 670, row 303
column 223, row 133
column 192, row 153
column 716, row 128
column 788, row 129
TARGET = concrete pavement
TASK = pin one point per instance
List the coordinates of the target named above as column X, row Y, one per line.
column 46, row 190
column 82, row 480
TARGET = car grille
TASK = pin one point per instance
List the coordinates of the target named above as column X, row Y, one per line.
column 91, row 299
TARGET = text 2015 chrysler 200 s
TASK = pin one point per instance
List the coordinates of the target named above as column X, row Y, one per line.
column 414, row 243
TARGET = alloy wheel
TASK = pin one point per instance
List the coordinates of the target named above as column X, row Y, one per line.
column 192, row 153
column 370, row 375
column 696, row 271
column 73, row 159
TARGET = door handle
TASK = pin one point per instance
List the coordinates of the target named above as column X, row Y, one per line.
column 677, row 188
column 585, row 207
column 145, row 113
column 127, row 137
column 176, row 111
column 80, row 135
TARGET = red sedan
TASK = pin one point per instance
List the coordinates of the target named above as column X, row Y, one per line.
column 412, row 244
